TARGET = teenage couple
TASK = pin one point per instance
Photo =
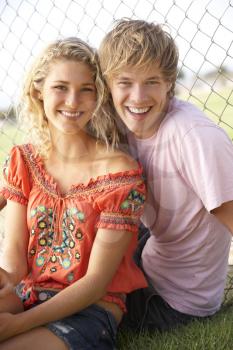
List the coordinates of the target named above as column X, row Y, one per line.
column 74, row 199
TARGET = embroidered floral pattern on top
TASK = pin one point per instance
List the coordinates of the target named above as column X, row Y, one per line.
column 133, row 201
column 47, row 252
column 63, row 227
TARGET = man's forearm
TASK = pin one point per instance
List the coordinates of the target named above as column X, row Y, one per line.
column 224, row 214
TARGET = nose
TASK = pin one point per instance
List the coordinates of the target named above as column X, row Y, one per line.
column 72, row 99
column 138, row 93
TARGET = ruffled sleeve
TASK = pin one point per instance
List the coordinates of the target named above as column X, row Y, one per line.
column 122, row 205
column 16, row 185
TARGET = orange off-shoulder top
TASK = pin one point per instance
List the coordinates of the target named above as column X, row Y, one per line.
column 62, row 228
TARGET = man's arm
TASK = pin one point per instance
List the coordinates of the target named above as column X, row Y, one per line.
column 224, row 214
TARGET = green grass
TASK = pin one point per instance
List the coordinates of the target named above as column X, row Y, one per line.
column 213, row 334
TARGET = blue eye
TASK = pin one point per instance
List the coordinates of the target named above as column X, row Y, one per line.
column 88, row 89
column 60, row 87
column 124, row 83
column 152, row 82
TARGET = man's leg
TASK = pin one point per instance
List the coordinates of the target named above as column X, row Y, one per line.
column 143, row 236
column 146, row 309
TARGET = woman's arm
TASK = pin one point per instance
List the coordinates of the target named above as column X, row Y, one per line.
column 2, row 201
column 14, row 257
column 107, row 252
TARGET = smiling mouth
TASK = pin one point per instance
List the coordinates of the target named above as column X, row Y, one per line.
column 71, row 115
column 136, row 110
column 138, row 113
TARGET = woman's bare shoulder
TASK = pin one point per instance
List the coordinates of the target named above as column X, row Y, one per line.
column 119, row 161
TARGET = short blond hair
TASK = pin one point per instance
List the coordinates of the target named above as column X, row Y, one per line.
column 31, row 112
column 140, row 44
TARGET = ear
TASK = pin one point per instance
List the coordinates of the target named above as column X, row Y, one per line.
column 40, row 97
column 169, row 86
column 36, row 90
column 37, row 95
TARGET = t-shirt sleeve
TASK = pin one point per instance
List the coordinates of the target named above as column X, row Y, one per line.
column 121, row 207
column 16, row 180
column 207, row 155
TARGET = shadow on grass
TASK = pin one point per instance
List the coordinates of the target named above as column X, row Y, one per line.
column 212, row 334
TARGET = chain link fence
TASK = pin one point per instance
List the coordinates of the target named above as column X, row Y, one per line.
column 203, row 30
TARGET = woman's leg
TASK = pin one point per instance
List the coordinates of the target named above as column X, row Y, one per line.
column 36, row 339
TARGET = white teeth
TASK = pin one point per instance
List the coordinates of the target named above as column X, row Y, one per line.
column 71, row 114
column 139, row 110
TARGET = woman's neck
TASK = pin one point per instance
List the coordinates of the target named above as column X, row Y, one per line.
column 72, row 148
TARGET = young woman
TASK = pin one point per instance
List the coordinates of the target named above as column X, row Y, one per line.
column 73, row 204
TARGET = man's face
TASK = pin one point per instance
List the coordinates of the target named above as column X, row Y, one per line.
column 140, row 97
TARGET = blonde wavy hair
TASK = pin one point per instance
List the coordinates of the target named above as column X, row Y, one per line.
column 30, row 109
column 141, row 44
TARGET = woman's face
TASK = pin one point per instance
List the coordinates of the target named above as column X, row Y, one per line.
column 69, row 96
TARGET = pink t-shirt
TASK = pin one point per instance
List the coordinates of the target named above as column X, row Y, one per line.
column 188, row 165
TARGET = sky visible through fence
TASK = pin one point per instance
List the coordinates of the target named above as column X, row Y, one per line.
column 203, row 30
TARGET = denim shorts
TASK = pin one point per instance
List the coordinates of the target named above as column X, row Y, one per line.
column 93, row 328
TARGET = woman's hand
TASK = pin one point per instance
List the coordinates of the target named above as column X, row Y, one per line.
column 9, row 325
column 6, row 284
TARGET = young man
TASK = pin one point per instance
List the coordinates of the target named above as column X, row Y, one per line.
column 188, row 163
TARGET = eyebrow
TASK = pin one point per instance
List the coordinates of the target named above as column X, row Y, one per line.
column 155, row 77
column 67, row 82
